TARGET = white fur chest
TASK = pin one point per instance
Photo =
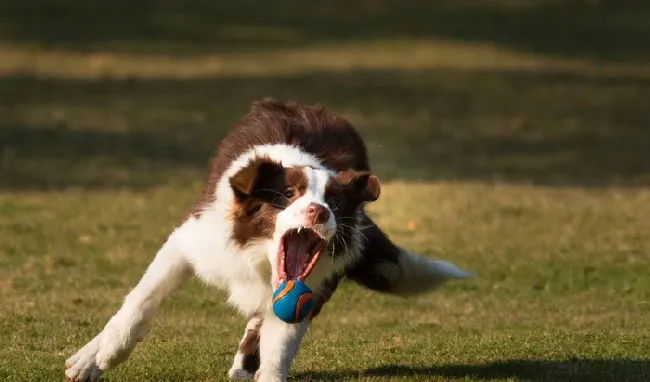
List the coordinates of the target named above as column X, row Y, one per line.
column 245, row 273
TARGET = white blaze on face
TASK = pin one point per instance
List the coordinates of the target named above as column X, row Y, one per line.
column 294, row 217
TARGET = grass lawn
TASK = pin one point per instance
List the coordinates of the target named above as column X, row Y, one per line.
column 512, row 138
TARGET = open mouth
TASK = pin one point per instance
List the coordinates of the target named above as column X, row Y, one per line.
column 299, row 250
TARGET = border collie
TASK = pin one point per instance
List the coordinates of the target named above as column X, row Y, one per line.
column 284, row 199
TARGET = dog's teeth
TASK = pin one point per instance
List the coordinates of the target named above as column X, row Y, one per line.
column 299, row 229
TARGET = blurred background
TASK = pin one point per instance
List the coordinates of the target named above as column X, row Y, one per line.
column 134, row 93
column 512, row 137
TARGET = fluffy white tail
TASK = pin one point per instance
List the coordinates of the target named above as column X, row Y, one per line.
column 385, row 267
column 413, row 274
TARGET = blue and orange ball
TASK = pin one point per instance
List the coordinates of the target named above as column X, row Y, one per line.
column 293, row 302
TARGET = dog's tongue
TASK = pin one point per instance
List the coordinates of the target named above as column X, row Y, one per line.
column 297, row 255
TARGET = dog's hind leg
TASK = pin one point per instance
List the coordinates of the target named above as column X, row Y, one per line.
column 130, row 324
column 247, row 359
column 385, row 267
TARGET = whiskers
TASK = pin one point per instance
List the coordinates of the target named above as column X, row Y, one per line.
column 345, row 230
column 351, row 224
column 282, row 197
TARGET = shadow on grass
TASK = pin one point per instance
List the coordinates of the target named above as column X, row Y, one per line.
column 532, row 127
column 56, row 157
column 617, row 370
column 604, row 30
column 451, row 125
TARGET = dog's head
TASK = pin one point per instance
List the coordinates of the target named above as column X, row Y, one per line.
column 304, row 211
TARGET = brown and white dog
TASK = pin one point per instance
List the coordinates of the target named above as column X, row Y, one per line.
column 284, row 199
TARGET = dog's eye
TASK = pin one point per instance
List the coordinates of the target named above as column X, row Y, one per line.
column 289, row 193
column 333, row 202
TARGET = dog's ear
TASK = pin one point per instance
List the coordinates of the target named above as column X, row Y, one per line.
column 256, row 173
column 363, row 183
column 372, row 188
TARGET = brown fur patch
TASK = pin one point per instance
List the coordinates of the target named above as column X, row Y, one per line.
column 363, row 183
column 250, row 343
column 315, row 129
column 262, row 189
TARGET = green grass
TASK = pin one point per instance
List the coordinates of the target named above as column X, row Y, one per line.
column 511, row 136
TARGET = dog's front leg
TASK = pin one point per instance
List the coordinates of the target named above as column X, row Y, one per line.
column 247, row 358
column 279, row 343
column 129, row 325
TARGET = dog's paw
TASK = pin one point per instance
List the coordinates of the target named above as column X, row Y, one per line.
column 269, row 376
column 109, row 348
column 83, row 365
column 235, row 373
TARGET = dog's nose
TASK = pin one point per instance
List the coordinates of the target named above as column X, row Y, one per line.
column 316, row 214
